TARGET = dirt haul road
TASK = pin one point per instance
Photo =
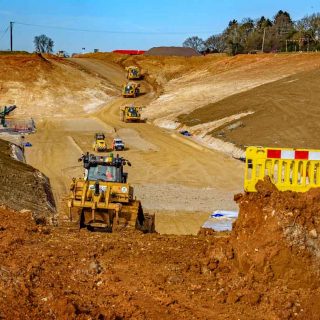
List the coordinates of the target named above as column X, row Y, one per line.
column 172, row 176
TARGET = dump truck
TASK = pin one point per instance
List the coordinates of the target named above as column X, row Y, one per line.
column 133, row 73
column 131, row 90
column 117, row 144
column 103, row 200
column 130, row 114
column 100, row 144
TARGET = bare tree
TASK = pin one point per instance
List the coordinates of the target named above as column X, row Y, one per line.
column 310, row 25
column 195, row 43
column 43, row 44
column 216, row 43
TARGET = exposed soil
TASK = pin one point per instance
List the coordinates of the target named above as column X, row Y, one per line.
column 51, row 86
column 274, row 249
column 172, row 51
column 24, row 188
column 267, row 268
column 281, row 110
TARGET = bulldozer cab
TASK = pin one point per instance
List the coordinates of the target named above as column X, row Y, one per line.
column 128, row 88
column 131, row 89
column 105, row 169
column 99, row 144
column 100, row 136
column 102, row 173
column 133, row 72
column 133, row 111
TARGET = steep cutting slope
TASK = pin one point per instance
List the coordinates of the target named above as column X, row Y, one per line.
column 216, row 80
column 23, row 187
column 47, row 87
column 286, row 113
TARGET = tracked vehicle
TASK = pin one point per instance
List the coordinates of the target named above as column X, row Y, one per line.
column 103, row 200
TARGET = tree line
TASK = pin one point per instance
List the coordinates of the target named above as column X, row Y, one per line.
column 268, row 35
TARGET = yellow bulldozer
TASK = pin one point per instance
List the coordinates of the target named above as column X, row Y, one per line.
column 131, row 114
column 100, row 144
column 133, row 73
column 103, row 200
column 131, row 90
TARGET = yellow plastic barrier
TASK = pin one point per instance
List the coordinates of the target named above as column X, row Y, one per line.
column 289, row 169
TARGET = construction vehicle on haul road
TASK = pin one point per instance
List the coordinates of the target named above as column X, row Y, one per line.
column 103, row 200
column 133, row 73
column 117, row 144
column 100, row 144
column 131, row 90
column 130, row 114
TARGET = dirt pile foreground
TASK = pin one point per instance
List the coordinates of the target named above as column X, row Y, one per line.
column 272, row 257
column 266, row 269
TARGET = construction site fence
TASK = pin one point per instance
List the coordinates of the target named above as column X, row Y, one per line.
column 19, row 126
column 289, row 169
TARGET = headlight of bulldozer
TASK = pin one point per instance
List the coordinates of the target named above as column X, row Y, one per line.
column 124, row 189
column 101, row 188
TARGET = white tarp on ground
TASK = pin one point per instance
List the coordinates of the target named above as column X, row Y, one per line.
column 221, row 220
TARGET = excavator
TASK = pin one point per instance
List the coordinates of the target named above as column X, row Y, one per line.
column 103, row 200
column 133, row 73
column 130, row 114
column 16, row 125
column 5, row 112
column 131, row 90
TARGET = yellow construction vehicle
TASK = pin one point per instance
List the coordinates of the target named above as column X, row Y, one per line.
column 133, row 73
column 131, row 90
column 103, row 200
column 130, row 114
column 99, row 144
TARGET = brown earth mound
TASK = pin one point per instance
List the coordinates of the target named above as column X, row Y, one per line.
column 268, row 268
column 46, row 85
column 272, row 257
column 172, row 51
column 24, row 188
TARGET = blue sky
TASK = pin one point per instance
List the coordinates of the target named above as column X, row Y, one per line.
column 155, row 23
